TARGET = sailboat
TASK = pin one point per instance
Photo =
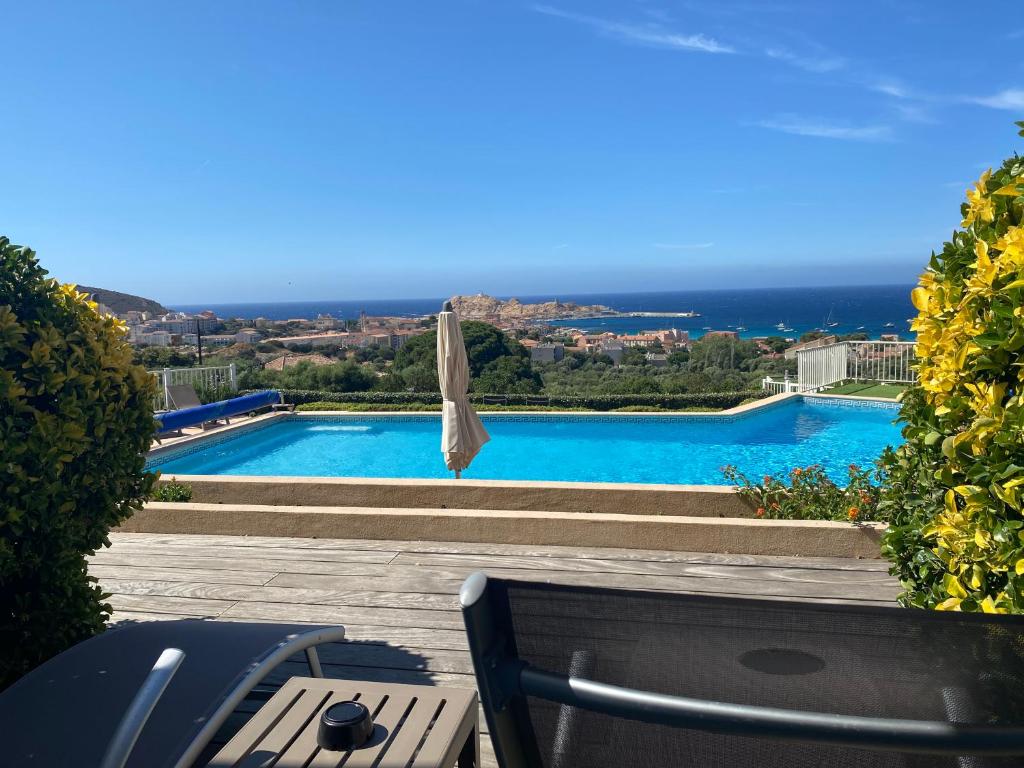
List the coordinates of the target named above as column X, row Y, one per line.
column 829, row 322
column 741, row 326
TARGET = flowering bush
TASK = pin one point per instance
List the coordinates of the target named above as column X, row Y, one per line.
column 807, row 493
column 955, row 489
column 76, row 417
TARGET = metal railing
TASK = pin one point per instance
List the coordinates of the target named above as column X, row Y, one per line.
column 212, row 377
column 888, row 362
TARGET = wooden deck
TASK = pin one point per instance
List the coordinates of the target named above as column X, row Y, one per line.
column 398, row 600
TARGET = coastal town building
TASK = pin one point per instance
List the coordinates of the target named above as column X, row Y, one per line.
column 209, row 340
column 248, row 336
column 326, row 323
column 824, row 341
column 547, row 352
column 151, row 338
column 349, row 339
column 639, row 340
column 614, row 350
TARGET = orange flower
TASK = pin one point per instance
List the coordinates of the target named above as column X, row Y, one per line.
column 865, row 497
column 852, row 513
column 853, row 468
column 766, row 480
column 797, row 472
column 759, row 512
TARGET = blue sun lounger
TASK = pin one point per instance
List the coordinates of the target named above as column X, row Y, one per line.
column 172, row 421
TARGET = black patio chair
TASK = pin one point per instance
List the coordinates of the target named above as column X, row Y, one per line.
column 104, row 703
column 574, row 677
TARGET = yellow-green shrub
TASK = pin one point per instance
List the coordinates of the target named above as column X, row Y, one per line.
column 956, row 488
column 75, row 419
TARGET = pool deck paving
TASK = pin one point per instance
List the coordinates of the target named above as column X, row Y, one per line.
column 398, row 599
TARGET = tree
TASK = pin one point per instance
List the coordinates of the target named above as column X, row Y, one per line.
column 76, row 417
column 344, row 376
column 163, row 357
column 721, row 352
column 633, row 356
column 416, row 361
column 507, row 375
column 679, row 358
column 955, row 488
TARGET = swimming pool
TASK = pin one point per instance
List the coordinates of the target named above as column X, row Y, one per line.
column 624, row 448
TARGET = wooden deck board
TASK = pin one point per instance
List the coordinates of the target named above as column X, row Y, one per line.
column 398, row 600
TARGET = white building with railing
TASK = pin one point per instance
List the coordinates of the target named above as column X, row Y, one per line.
column 885, row 362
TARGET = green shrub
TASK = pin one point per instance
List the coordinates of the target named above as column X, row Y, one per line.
column 172, row 491
column 215, row 394
column 711, row 401
column 76, row 417
column 807, row 493
column 956, row 489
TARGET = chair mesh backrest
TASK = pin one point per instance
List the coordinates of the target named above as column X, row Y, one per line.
column 853, row 660
column 183, row 396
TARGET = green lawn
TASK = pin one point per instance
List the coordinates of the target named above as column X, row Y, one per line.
column 867, row 389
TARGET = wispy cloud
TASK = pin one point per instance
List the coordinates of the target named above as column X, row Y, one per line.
column 683, row 246
column 652, row 35
column 560, row 247
column 820, row 128
column 892, row 88
column 915, row 113
column 817, row 64
column 1011, row 98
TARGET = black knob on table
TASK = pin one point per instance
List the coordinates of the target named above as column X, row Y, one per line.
column 345, row 725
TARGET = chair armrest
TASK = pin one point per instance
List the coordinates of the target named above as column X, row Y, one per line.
column 134, row 720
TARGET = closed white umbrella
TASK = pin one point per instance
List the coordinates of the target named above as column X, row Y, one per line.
column 462, row 434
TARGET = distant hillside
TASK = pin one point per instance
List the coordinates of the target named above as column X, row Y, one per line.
column 124, row 302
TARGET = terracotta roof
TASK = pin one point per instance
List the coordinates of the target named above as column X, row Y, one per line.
column 287, row 361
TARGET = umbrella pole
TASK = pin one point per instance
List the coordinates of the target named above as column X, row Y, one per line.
column 458, row 474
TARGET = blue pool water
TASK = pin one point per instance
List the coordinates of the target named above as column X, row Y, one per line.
column 628, row 448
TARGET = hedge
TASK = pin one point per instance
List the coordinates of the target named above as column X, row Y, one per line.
column 709, row 400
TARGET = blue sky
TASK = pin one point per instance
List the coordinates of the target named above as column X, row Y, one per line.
column 235, row 151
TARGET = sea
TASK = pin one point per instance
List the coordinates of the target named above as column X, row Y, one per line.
column 873, row 310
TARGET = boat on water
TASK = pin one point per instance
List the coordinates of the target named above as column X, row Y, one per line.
column 706, row 328
column 860, row 327
column 781, row 326
column 889, row 325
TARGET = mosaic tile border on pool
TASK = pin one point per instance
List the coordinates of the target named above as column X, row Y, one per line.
column 851, row 402
column 202, row 442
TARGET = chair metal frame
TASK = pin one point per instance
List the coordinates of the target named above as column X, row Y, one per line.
column 251, row 677
column 504, row 681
